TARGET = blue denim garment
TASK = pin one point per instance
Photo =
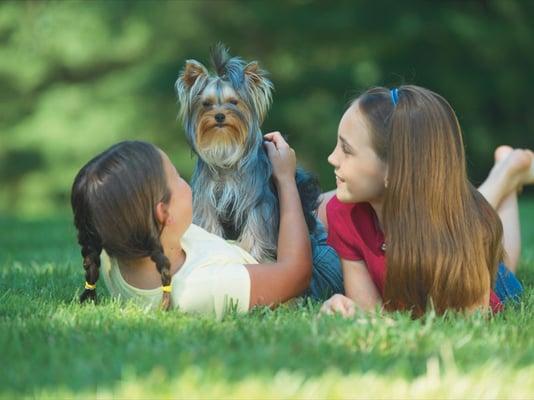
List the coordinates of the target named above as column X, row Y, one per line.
column 507, row 286
column 327, row 277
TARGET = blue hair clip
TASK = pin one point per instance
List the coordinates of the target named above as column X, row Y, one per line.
column 394, row 96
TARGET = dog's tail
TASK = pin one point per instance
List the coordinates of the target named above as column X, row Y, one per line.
column 309, row 191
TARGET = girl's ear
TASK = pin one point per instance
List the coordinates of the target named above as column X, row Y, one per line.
column 386, row 179
column 162, row 213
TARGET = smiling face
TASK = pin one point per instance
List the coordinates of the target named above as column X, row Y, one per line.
column 360, row 173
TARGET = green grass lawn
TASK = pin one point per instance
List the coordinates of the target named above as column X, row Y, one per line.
column 52, row 347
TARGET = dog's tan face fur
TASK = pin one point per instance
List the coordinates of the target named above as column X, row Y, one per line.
column 218, row 122
column 223, row 112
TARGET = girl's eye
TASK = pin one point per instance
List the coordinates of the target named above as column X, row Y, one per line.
column 234, row 102
column 345, row 150
column 206, row 103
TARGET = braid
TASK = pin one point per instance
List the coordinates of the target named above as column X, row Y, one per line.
column 164, row 268
column 88, row 238
column 91, row 249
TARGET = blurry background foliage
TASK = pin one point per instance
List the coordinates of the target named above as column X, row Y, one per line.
column 76, row 77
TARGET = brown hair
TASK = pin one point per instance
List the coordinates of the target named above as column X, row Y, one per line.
column 114, row 198
column 444, row 240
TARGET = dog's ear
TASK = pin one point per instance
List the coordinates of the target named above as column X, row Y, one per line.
column 253, row 72
column 260, row 87
column 191, row 72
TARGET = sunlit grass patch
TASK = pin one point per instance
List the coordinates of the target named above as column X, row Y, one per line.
column 53, row 347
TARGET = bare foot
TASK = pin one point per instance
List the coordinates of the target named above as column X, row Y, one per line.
column 502, row 152
column 516, row 165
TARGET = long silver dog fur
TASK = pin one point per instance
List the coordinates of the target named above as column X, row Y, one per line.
column 233, row 193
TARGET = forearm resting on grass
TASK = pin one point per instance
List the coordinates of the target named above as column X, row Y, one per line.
column 361, row 292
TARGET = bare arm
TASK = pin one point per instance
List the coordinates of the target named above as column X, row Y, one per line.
column 272, row 284
column 359, row 286
column 361, row 292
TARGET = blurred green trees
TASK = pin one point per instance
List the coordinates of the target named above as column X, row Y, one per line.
column 75, row 77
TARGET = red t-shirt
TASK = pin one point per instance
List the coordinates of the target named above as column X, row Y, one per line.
column 354, row 233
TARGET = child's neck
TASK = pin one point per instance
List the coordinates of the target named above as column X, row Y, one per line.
column 143, row 274
column 377, row 207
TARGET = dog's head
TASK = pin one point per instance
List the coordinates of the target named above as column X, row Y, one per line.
column 222, row 112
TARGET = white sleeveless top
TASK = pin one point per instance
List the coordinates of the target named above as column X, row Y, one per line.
column 212, row 280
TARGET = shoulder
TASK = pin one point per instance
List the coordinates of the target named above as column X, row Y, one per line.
column 203, row 247
column 349, row 228
column 339, row 213
column 195, row 232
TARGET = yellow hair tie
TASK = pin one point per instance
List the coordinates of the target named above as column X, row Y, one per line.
column 166, row 289
column 89, row 286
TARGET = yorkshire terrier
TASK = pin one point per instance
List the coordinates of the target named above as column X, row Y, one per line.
column 233, row 192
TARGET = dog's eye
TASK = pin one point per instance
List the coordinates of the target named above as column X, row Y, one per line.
column 234, row 102
column 206, row 103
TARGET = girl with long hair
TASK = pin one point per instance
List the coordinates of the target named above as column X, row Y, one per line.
column 410, row 229
column 130, row 202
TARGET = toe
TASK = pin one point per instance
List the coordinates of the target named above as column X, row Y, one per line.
column 502, row 152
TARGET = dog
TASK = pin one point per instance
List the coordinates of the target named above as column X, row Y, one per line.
column 233, row 192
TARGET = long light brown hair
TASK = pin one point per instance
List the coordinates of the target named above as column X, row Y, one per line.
column 444, row 240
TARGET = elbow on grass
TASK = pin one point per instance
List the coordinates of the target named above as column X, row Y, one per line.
column 305, row 277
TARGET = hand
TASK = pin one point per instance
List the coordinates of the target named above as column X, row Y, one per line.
column 283, row 158
column 339, row 304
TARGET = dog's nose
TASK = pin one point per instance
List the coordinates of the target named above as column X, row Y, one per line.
column 219, row 117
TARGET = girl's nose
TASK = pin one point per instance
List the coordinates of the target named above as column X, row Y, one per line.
column 332, row 159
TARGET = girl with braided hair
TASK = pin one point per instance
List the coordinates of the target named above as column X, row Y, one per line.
column 131, row 203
